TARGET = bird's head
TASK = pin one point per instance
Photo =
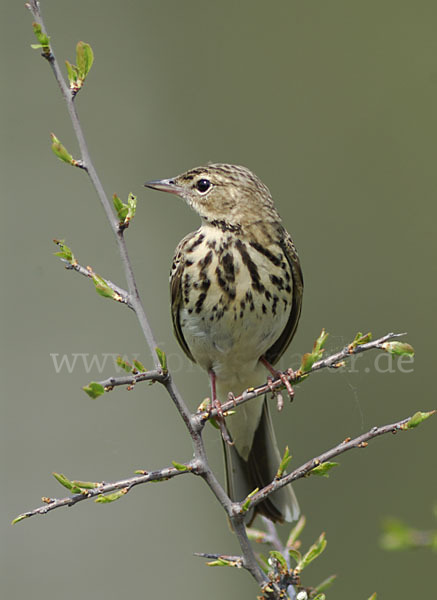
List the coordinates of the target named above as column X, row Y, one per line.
column 222, row 194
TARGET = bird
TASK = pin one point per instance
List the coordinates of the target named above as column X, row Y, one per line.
column 236, row 296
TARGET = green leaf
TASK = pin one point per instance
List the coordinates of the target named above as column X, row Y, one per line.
column 247, row 501
column 125, row 212
column 320, row 597
column 179, row 466
column 106, row 499
column 64, row 481
column 120, row 208
column 219, row 562
column 162, row 359
column 326, row 583
column 281, row 560
column 373, row 596
column 124, row 364
column 103, row 288
column 295, row 555
column 61, row 152
column 43, row 39
column 94, row 389
column 264, row 559
column 284, row 463
column 71, row 72
column 320, row 341
column 223, row 562
column 322, row 469
column 310, row 358
column 139, row 366
column 65, row 253
column 85, row 485
column 132, row 207
column 84, row 59
column 360, row 339
column 19, row 518
column 398, row 348
column 295, row 532
column 315, row 551
column 417, row 419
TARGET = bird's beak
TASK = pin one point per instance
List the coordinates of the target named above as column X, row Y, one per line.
column 165, row 185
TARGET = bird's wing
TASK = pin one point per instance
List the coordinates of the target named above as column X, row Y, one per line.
column 176, row 275
column 275, row 352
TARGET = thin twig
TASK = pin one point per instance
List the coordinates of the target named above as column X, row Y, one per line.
column 133, row 378
column 88, row 272
column 105, row 488
column 236, row 560
column 88, row 166
column 334, row 359
column 193, row 467
column 348, row 444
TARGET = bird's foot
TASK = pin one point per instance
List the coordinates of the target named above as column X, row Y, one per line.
column 280, row 375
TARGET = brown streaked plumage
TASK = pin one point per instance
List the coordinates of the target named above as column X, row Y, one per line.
column 236, row 296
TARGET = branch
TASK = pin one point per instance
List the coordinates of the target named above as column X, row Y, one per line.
column 88, row 272
column 193, row 426
column 132, row 379
column 334, row 361
column 88, row 166
column 100, row 489
column 202, row 415
column 195, row 468
column 348, row 444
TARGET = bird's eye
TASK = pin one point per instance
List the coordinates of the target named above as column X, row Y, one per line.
column 203, row 185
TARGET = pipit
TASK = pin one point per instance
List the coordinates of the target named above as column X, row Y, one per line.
column 236, row 296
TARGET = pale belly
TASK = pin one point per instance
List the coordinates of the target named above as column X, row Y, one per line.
column 232, row 346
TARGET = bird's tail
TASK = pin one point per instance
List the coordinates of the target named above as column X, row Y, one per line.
column 243, row 476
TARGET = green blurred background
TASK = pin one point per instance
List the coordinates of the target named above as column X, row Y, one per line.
column 332, row 104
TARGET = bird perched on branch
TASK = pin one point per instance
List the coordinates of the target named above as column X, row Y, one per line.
column 236, row 296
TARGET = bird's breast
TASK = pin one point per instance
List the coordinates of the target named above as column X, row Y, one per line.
column 236, row 300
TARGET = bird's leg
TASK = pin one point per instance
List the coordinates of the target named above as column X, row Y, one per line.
column 215, row 403
column 279, row 375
